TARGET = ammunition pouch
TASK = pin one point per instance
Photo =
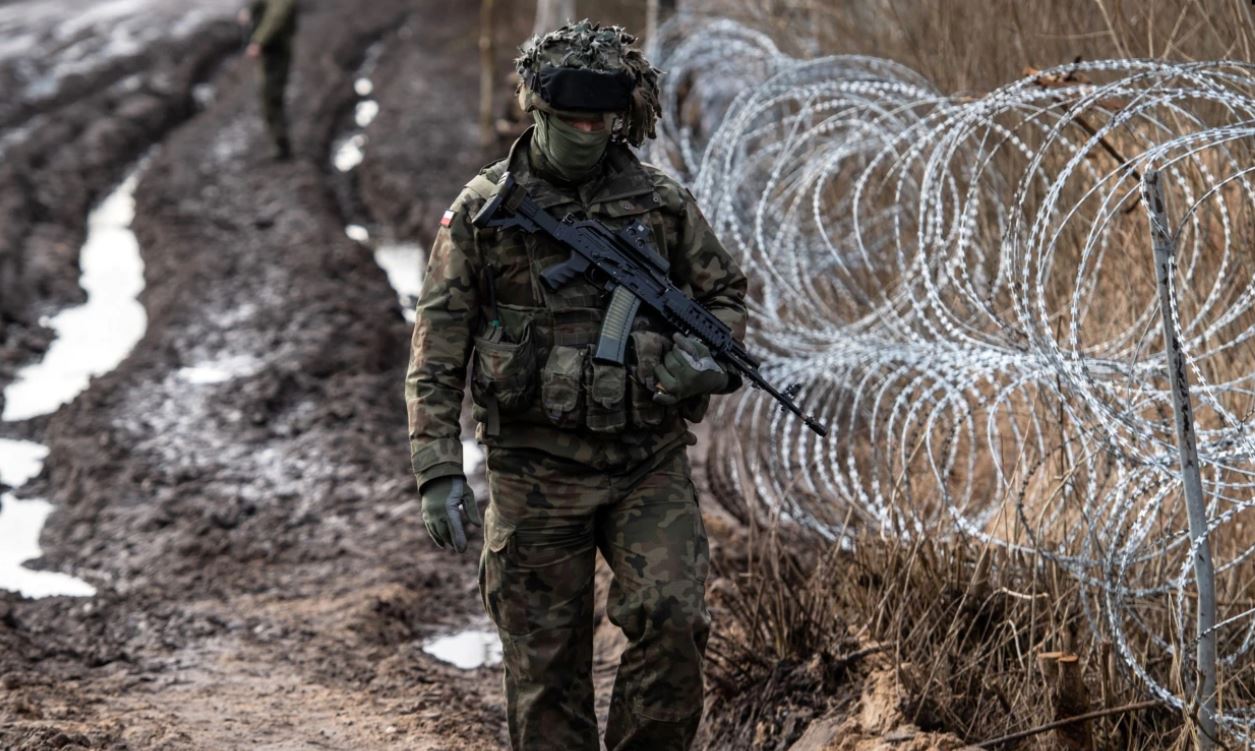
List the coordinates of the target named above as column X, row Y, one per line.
column 540, row 369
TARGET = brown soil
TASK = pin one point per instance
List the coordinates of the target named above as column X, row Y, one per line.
column 75, row 147
column 264, row 578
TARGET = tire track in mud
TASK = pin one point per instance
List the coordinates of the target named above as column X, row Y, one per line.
column 238, row 489
column 43, row 182
column 56, row 53
column 91, row 339
column 69, row 154
column 403, row 261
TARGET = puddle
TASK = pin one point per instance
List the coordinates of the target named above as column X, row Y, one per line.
column 366, row 112
column 467, row 650
column 401, row 261
column 92, row 338
column 472, row 457
column 20, row 523
column 218, row 371
column 203, row 94
column 357, row 233
column 349, row 152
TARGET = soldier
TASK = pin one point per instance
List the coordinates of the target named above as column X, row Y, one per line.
column 582, row 455
column 274, row 28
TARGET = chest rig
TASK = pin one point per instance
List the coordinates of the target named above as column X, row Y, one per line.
column 533, row 358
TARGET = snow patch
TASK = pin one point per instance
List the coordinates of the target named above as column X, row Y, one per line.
column 403, row 263
column 91, row 339
column 20, row 524
column 20, row 462
column 357, row 233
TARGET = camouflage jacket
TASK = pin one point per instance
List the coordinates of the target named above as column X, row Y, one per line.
column 274, row 22
column 533, row 381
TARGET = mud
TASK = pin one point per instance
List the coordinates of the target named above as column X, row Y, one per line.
column 238, row 490
column 421, row 151
column 60, row 154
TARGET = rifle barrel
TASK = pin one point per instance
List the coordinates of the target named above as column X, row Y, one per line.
column 628, row 266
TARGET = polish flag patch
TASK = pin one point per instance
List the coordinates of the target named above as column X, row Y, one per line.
column 447, row 219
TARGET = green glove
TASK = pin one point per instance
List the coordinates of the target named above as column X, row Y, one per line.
column 687, row 370
column 448, row 506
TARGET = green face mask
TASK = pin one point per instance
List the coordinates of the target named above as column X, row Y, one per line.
column 573, row 153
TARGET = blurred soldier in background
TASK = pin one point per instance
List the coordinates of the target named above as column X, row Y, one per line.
column 582, row 454
column 273, row 24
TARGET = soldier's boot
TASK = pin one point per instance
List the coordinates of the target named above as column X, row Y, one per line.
column 537, row 584
column 655, row 543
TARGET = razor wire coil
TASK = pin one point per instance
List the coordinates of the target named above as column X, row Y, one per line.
column 965, row 289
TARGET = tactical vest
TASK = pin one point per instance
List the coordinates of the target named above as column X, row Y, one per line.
column 532, row 360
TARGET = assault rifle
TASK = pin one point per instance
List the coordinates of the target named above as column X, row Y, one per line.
column 625, row 263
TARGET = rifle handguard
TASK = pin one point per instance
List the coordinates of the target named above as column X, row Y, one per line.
column 630, row 268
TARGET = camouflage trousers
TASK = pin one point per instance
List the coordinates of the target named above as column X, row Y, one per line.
column 545, row 522
column 275, row 65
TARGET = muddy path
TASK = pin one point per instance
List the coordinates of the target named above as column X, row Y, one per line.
column 237, row 490
column 68, row 133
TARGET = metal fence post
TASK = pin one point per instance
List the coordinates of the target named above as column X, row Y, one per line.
column 1204, row 572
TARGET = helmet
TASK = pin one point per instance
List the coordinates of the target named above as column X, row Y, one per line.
column 586, row 67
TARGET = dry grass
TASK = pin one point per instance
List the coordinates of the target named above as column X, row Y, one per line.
column 962, row 624
column 965, row 623
column 975, row 45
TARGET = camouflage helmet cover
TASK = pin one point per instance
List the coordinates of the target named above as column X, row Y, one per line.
column 589, row 46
